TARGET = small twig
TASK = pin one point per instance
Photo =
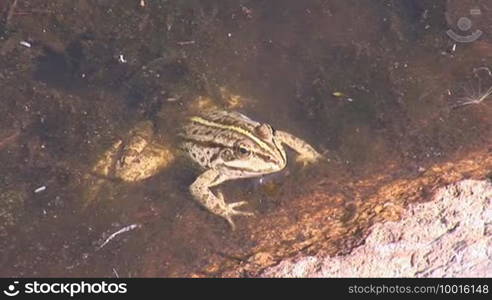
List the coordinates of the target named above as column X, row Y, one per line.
column 183, row 43
column 122, row 230
column 33, row 11
column 116, row 273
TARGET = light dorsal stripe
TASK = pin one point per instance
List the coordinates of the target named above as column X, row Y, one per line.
column 237, row 129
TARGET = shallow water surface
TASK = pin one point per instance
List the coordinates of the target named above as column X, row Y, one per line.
column 377, row 87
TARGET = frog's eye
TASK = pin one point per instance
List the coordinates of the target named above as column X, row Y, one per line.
column 242, row 150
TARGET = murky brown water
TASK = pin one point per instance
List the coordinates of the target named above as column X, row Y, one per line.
column 377, row 86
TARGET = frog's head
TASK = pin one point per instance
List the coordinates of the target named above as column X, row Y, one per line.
column 257, row 154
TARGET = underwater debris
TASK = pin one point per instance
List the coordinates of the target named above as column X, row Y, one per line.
column 40, row 189
column 473, row 92
column 122, row 230
column 475, row 98
column 25, row 44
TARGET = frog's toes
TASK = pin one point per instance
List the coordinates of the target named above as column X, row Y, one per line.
column 231, row 207
column 231, row 211
column 306, row 159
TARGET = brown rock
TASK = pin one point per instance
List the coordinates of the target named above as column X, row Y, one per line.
column 446, row 237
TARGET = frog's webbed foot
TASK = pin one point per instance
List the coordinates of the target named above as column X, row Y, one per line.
column 229, row 210
column 309, row 158
column 200, row 189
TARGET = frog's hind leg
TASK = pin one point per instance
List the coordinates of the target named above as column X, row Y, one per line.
column 200, row 189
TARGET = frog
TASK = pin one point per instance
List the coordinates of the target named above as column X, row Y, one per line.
column 223, row 143
column 228, row 145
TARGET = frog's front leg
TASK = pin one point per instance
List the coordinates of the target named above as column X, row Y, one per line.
column 200, row 189
column 307, row 154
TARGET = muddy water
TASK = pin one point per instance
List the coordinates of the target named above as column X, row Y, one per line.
column 377, row 87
